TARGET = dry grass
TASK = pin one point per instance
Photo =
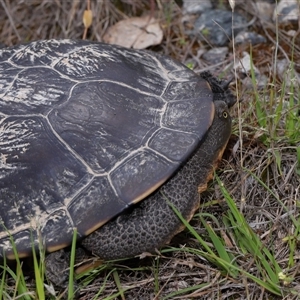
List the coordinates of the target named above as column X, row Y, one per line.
column 260, row 168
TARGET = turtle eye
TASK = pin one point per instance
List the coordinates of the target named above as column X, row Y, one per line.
column 225, row 114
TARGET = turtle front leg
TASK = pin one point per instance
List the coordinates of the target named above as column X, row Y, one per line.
column 57, row 267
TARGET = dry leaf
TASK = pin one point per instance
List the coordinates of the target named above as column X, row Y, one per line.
column 87, row 18
column 232, row 4
column 137, row 33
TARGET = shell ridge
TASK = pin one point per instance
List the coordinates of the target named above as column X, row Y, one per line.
column 72, row 151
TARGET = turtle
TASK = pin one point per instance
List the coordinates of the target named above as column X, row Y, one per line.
column 106, row 140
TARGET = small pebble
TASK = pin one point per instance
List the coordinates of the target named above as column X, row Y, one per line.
column 287, row 11
column 196, row 7
column 246, row 37
column 215, row 55
column 264, row 10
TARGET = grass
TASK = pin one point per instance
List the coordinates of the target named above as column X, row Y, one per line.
column 247, row 245
column 243, row 243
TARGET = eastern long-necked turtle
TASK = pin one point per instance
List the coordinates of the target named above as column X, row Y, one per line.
column 88, row 130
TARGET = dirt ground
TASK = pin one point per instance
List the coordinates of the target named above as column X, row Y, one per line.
column 257, row 168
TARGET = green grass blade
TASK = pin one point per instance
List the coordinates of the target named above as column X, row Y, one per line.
column 251, row 243
column 72, row 263
column 4, row 267
column 298, row 160
column 20, row 280
column 261, row 114
column 270, row 286
column 39, row 276
column 187, row 290
column 190, row 228
column 118, row 284
column 219, row 246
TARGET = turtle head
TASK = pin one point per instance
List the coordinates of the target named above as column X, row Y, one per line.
column 220, row 130
column 220, row 88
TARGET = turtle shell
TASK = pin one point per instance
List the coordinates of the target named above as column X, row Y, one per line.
column 86, row 130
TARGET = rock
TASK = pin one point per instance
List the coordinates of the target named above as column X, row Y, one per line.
column 215, row 25
column 244, row 65
column 246, row 37
column 287, row 73
column 291, row 32
column 264, row 10
column 196, row 7
column 215, row 55
column 243, row 68
column 287, row 11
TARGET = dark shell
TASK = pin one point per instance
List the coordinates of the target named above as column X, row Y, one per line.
column 86, row 129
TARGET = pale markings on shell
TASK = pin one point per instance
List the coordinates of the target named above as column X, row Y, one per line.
column 90, row 49
column 36, row 52
column 83, row 64
column 8, row 168
column 12, row 140
column 7, row 83
column 12, row 136
column 169, row 76
column 36, row 220
column 28, row 96
column 18, row 228
column 126, row 86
